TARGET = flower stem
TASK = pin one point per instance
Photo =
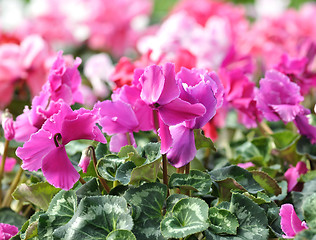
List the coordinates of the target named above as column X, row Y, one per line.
column 102, row 181
column 264, row 128
column 4, row 156
column 164, row 156
column 82, row 181
column 8, row 198
column 128, row 136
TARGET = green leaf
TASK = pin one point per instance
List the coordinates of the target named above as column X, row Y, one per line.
column 91, row 188
column 60, row 211
column 10, row 217
column 203, row 142
column 121, row 234
column 101, row 150
column 39, row 194
column 272, row 212
column 253, row 223
column 309, row 210
column 266, row 182
column 256, row 151
column 108, row 165
column 96, row 217
column 283, row 186
column 188, row 216
column 149, row 199
column 130, row 154
column 173, row 199
column 298, row 197
column 151, row 151
column 309, row 234
column 304, row 147
column 284, row 139
column 195, row 180
column 261, row 198
column 222, row 221
column 310, row 175
column 234, row 178
column 124, row 172
column 147, row 172
column 30, row 229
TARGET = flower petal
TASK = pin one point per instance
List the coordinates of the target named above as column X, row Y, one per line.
column 178, row 111
column 290, row 223
column 152, row 82
column 183, row 148
column 58, row 169
column 35, row 149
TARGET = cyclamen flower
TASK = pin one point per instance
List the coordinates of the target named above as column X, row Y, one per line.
column 197, row 86
column 62, row 86
column 7, row 125
column 7, row 231
column 117, row 118
column 64, row 80
column 46, row 148
column 278, row 98
column 9, row 163
column 160, row 91
column 290, row 223
column 293, row 174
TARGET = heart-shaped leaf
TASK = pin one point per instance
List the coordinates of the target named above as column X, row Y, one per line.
column 148, row 200
column 222, row 221
column 188, row 216
column 39, row 194
column 96, row 217
column 195, row 180
column 121, row 234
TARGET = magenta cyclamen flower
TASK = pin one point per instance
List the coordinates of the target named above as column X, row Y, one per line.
column 278, row 98
column 293, row 174
column 7, row 231
column 117, row 118
column 46, row 148
column 290, row 223
column 161, row 92
column 64, row 80
column 197, row 86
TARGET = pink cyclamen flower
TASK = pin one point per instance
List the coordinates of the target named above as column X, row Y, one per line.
column 117, row 118
column 278, row 98
column 197, row 86
column 7, row 231
column 46, row 148
column 290, row 223
column 64, row 80
column 292, row 175
column 160, row 91
column 9, row 164
column 8, row 125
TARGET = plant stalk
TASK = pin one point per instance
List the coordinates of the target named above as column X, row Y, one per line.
column 128, row 137
column 102, row 181
column 4, row 156
column 8, row 198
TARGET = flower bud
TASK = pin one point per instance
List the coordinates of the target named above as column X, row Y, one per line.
column 85, row 160
column 7, row 125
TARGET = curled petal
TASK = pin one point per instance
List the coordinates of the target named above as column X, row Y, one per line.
column 290, row 223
